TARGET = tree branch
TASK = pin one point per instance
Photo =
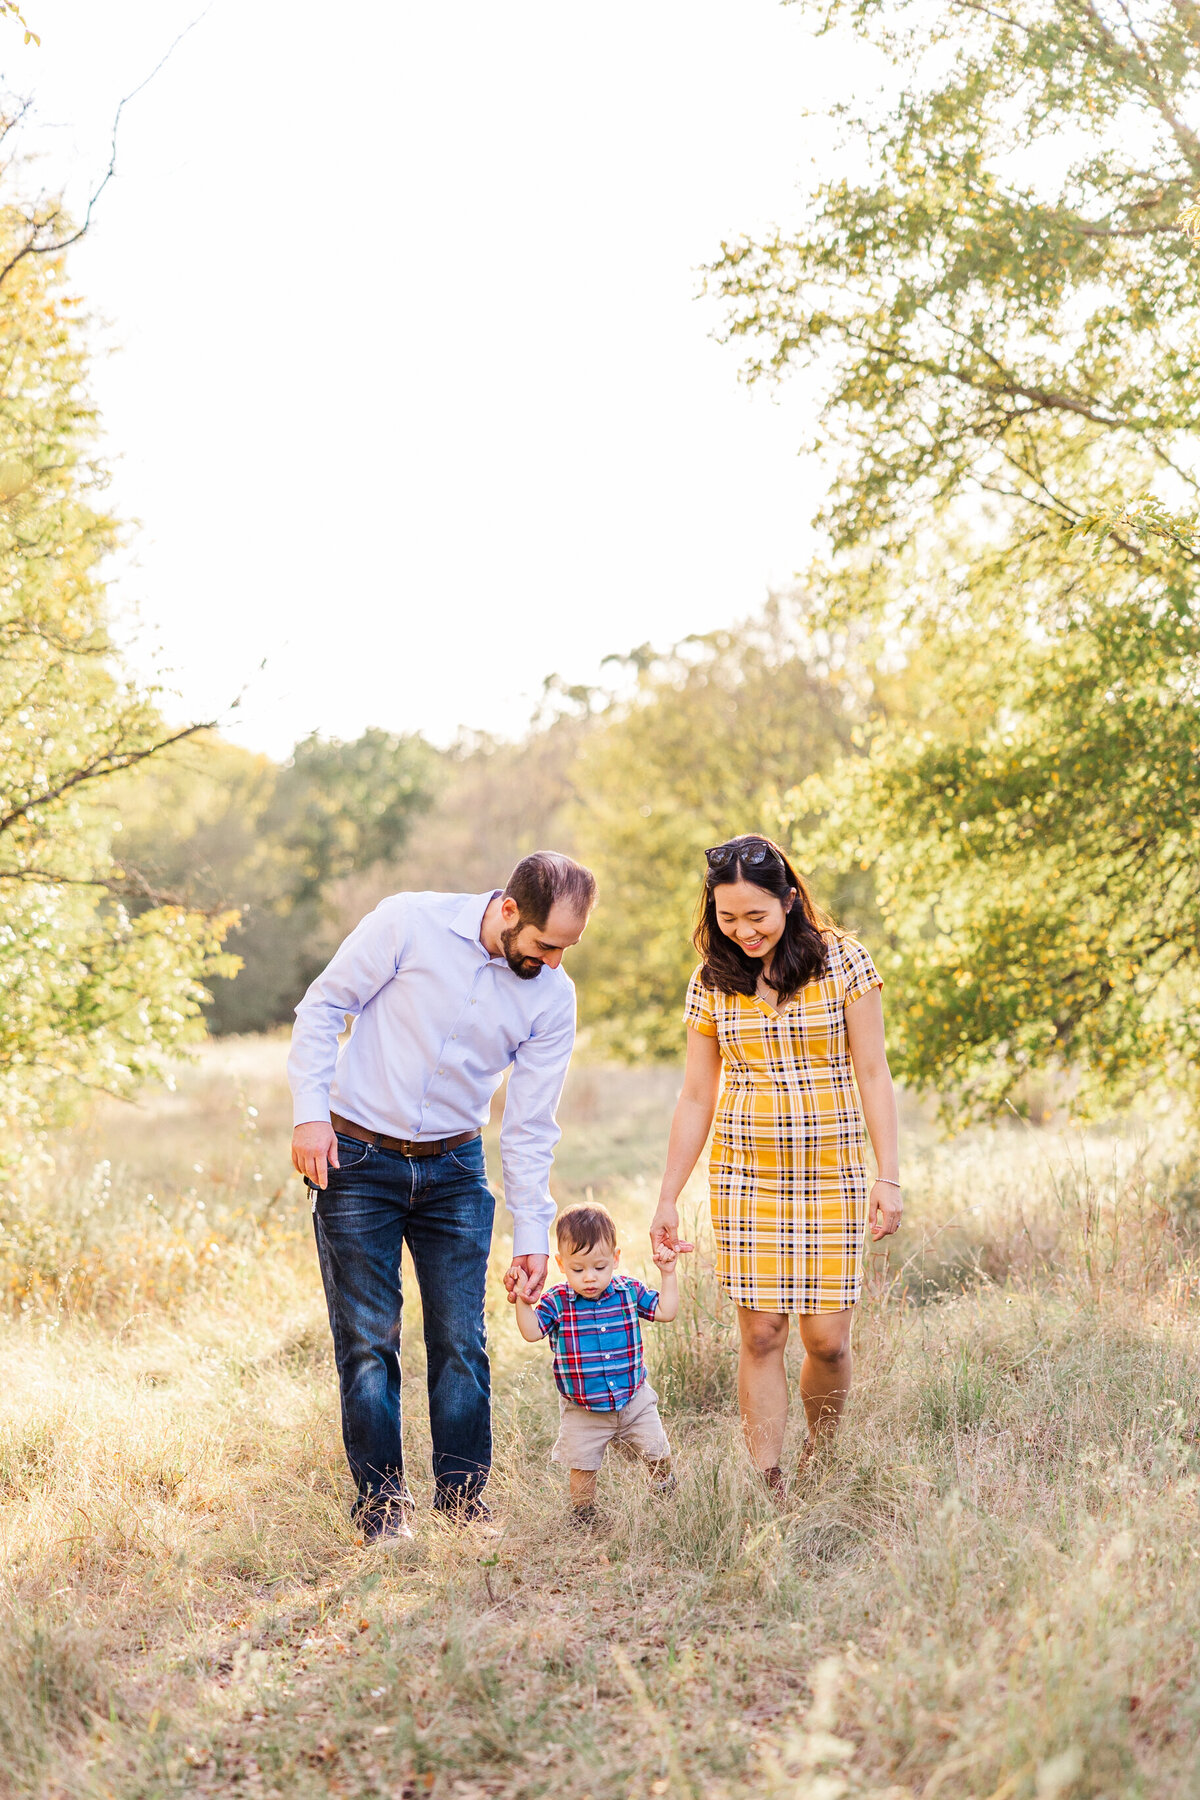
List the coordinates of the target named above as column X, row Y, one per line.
column 96, row 771
column 32, row 247
column 133, row 886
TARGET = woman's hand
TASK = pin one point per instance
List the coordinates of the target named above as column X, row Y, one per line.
column 664, row 1230
column 884, row 1209
column 666, row 1256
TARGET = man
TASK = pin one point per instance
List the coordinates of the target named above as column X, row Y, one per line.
column 446, row 992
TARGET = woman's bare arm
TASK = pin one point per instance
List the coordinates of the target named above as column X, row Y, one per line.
column 689, row 1133
column 868, row 1053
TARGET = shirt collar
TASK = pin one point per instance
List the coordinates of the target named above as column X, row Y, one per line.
column 612, row 1289
column 468, row 922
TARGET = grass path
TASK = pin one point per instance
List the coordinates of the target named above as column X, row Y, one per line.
column 993, row 1590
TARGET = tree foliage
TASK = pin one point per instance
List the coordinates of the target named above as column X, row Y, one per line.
column 340, row 807
column 494, row 801
column 10, row 10
column 715, row 732
column 1008, row 319
column 218, row 826
column 91, row 992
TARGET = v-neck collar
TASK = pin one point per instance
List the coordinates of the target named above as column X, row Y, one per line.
column 771, row 1012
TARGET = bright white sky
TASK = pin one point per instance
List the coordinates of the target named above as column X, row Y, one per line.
column 411, row 393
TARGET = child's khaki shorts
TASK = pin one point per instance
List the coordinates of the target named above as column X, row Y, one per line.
column 584, row 1436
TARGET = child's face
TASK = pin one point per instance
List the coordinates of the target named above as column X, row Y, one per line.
column 589, row 1272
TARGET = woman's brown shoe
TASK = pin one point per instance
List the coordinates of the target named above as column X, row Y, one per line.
column 776, row 1484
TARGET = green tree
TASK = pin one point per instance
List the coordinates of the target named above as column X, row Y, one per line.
column 495, row 801
column 218, row 826
column 341, row 807
column 1007, row 318
column 715, row 732
column 91, row 992
column 191, row 826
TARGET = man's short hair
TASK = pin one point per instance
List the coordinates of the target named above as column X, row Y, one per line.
column 583, row 1227
column 547, row 879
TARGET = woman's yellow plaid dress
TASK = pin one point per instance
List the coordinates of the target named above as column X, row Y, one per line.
column 788, row 1169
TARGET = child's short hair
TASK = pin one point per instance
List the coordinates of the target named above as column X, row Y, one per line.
column 583, row 1227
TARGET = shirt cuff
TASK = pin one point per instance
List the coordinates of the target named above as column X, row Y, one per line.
column 530, row 1238
column 310, row 1108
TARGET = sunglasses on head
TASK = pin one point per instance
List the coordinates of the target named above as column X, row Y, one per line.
column 752, row 856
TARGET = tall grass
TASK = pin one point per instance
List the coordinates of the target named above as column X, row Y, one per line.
column 991, row 1589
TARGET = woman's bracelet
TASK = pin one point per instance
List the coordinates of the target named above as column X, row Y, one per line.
column 887, row 1181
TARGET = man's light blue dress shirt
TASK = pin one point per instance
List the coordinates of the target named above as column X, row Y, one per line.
column 436, row 1021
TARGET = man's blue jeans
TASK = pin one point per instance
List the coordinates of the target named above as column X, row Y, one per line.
column 442, row 1208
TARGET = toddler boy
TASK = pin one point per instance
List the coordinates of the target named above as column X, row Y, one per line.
column 593, row 1320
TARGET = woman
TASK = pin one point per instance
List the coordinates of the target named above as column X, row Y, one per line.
column 789, row 1008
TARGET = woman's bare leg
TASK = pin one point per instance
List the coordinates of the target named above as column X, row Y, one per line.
column 826, row 1371
column 762, row 1384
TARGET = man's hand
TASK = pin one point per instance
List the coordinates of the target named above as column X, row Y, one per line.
column 314, row 1150
column 664, row 1231
column 884, row 1209
column 525, row 1277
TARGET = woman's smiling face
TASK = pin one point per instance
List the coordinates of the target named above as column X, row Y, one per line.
column 753, row 918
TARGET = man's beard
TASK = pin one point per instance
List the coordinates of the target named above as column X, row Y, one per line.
column 526, row 967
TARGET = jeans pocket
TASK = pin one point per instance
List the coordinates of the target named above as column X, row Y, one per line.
column 352, row 1153
column 468, row 1157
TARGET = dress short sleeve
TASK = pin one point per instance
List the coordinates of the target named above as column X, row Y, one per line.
column 698, row 1009
column 860, row 972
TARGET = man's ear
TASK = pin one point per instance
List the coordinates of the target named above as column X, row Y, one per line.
column 510, row 912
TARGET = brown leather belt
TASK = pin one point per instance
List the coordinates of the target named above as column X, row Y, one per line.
column 406, row 1146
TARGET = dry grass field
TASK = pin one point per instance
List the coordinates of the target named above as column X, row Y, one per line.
column 992, row 1589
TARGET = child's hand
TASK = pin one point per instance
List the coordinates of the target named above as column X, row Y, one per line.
column 666, row 1256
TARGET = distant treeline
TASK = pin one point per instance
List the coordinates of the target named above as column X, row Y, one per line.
column 693, row 744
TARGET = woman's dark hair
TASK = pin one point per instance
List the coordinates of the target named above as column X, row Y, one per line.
column 802, row 953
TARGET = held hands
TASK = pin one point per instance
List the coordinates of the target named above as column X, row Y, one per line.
column 525, row 1278
column 884, row 1209
column 667, row 1255
column 314, row 1151
column 665, row 1244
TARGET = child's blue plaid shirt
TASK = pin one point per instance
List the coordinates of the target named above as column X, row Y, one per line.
column 597, row 1343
